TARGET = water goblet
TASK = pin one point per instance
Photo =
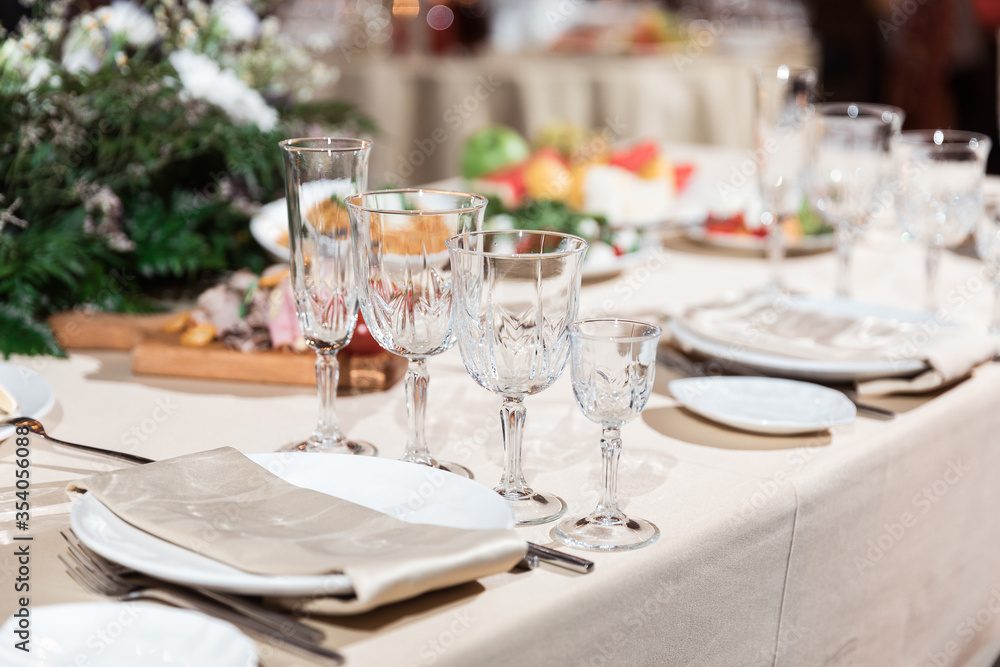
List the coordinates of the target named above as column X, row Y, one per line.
column 405, row 284
column 613, row 364
column 940, row 185
column 516, row 293
column 784, row 101
column 319, row 173
column 850, row 169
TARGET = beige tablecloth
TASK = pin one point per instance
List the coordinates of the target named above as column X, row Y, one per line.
column 875, row 544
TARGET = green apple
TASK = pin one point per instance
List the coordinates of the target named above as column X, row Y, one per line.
column 492, row 148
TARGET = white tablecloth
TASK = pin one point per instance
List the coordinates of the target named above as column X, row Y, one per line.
column 871, row 545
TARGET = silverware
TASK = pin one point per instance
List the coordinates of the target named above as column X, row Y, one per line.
column 555, row 557
column 535, row 554
column 680, row 363
column 90, row 575
column 36, row 427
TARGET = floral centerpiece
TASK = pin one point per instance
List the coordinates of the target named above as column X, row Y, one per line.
column 136, row 140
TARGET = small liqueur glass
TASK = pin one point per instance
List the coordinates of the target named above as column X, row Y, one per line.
column 516, row 293
column 613, row 364
column 319, row 174
column 405, row 284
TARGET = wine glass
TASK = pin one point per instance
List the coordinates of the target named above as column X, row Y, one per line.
column 988, row 249
column 404, row 281
column 850, row 145
column 940, row 189
column 516, row 293
column 784, row 101
column 319, row 173
column 613, row 364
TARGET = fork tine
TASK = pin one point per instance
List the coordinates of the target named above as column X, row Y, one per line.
column 85, row 580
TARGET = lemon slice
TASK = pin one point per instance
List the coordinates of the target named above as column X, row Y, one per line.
column 8, row 404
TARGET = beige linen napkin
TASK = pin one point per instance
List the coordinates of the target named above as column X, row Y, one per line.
column 790, row 327
column 222, row 505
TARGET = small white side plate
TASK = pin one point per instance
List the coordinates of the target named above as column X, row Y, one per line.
column 34, row 395
column 764, row 405
column 126, row 634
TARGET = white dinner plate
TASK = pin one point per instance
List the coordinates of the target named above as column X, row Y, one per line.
column 33, row 393
column 126, row 634
column 809, row 369
column 764, row 405
column 749, row 242
column 410, row 492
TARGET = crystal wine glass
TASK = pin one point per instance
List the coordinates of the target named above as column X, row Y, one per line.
column 516, row 293
column 988, row 249
column 319, row 173
column 784, row 101
column 613, row 364
column 851, row 165
column 940, row 189
column 405, row 284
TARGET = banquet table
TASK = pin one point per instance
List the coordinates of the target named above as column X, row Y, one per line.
column 871, row 544
column 428, row 105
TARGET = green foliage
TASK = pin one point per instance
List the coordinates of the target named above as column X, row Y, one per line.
column 549, row 215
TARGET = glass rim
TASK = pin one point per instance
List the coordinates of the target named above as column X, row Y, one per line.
column 948, row 137
column 479, row 201
column 451, row 244
column 869, row 109
column 291, row 145
column 655, row 329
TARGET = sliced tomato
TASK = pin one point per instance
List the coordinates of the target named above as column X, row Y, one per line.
column 635, row 156
column 512, row 177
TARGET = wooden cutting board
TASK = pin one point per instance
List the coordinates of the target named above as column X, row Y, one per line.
column 155, row 352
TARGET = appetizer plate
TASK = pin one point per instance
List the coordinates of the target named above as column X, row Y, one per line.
column 764, row 405
column 33, row 393
column 117, row 634
column 808, row 369
column 410, row 492
column 750, row 242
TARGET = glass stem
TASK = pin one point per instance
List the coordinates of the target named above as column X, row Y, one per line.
column 994, row 329
column 845, row 248
column 611, row 448
column 416, row 411
column 934, row 252
column 512, row 485
column 327, row 377
column 775, row 254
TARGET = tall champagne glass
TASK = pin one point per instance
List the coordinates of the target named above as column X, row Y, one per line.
column 784, row 101
column 319, row 173
column 940, row 189
column 516, row 293
column 405, row 284
column 851, row 166
column 613, row 363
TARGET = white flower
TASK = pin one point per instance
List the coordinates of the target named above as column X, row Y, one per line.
column 237, row 20
column 53, row 29
column 79, row 54
column 270, row 27
column 203, row 79
column 130, row 20
column 39, row 74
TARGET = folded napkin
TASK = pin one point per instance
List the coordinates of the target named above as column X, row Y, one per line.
column 222, row 505
column 795, row 327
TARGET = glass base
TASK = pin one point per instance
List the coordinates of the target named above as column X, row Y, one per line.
column 447, row 466
column 313, row 444
column 534, row 508
column 608, row 535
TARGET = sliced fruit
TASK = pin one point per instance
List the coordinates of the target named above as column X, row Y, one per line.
column 546, row 177
column 635, row 156
column 177, row 322
column 8, row 404
column 199, row 335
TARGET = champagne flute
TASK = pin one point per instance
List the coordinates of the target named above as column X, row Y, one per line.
column 613, row 364
column 516, row 293
column 319, row 173
column 850, row 169
column 784, row 102
column 940, row 188
column 404, row 281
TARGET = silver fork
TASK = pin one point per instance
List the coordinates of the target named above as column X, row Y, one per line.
column 98, row 578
